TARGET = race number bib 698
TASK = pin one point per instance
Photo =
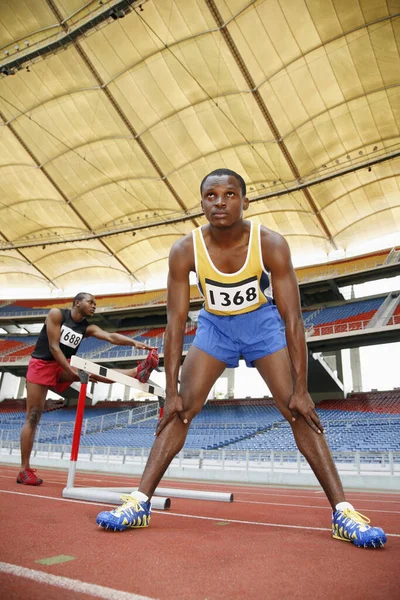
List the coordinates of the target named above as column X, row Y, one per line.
column 230, row 297
column 70, row 338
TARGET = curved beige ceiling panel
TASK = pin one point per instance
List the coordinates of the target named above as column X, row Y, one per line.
column 93, row 277
column 384, row 222
column 104, row 142
column 125, row 203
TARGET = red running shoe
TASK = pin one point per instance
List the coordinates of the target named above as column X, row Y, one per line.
column 28, row 477
column 146, row 366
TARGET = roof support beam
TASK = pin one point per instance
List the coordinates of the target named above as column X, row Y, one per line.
column 120, row 112
column 43, row 275
column 266, row 114
column 62, row 195
column 72, row 31
column 197, row 212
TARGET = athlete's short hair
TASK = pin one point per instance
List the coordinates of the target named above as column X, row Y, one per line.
column 79, row 297
column 220, row 173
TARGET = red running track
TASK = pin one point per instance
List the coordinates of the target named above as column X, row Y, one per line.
column 270, row 543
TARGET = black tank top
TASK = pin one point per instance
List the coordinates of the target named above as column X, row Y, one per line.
column 72, row 334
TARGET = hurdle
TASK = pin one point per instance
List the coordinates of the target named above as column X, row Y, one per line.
column 161, row 498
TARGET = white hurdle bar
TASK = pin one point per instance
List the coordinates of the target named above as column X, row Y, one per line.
column 177, row 493
column 115, row 376
column 109, row 496
column 113, row 495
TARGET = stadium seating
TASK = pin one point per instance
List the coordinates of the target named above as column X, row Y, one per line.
column 9, row 345
column 346, row 317
column 342, row 267
column 365, row 422
column 40, row 307
column 12, row 348
column 323, row 321
column 387, row 402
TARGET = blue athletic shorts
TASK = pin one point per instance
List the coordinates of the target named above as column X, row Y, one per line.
column 250, row 335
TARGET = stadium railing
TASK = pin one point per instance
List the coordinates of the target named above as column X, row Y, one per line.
column 334, row 328
column 384, row 463
column 56, row 431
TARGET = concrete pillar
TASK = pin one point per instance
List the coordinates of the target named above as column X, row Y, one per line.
column 127, row 391
column 9, row 386
column 355, row 364
column 230, row 374
column 330, row 359
column 334, row 360
column 21, row 387
column 211, row 395
column 339, row 365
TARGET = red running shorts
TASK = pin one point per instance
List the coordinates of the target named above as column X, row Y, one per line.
column 48, row 373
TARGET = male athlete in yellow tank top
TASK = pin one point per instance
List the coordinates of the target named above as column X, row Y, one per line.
column 239, row 318
column 236, row 261
column 232, row 293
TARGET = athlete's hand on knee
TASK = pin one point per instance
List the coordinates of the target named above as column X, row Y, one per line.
column 302, row 404
column 173, row 407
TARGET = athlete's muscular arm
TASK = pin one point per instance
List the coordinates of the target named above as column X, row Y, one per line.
column 53, row 329
column 181, row 262
column 276, row 257
column 114, row 338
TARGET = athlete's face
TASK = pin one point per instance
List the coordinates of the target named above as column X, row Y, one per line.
column 222, row 200
column 87, row 306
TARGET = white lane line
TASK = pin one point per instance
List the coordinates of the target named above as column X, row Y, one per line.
column 169, row 513
column 261, row 491
column 257, row 523
column 350, row 496
column 64, row 482
column 240, row 522
column 392, row 512
column 53, row 498
column 245, row 493
column 98, row 591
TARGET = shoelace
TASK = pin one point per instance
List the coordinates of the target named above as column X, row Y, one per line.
column 356, row 516
column 127, row 499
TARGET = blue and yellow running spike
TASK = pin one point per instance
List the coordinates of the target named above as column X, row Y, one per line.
column 133, row 514
column 351, row 526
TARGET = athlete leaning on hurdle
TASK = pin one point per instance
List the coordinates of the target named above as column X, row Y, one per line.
column 236, row 261
column 49, row 367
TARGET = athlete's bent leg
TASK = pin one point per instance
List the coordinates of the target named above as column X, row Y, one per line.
column 199, row 373
column 347, row 524
column 276, row 371
column 36, row 396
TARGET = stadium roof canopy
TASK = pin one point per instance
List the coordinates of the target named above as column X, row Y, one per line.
column 112, row 112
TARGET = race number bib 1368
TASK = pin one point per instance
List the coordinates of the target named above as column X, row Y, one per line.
column 230, row 297
column 70, row 338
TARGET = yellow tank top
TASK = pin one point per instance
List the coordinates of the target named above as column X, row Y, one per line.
column 232, row 293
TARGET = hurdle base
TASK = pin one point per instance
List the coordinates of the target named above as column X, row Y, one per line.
column 109, row 496
column 178, row 493
column 195, row 494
